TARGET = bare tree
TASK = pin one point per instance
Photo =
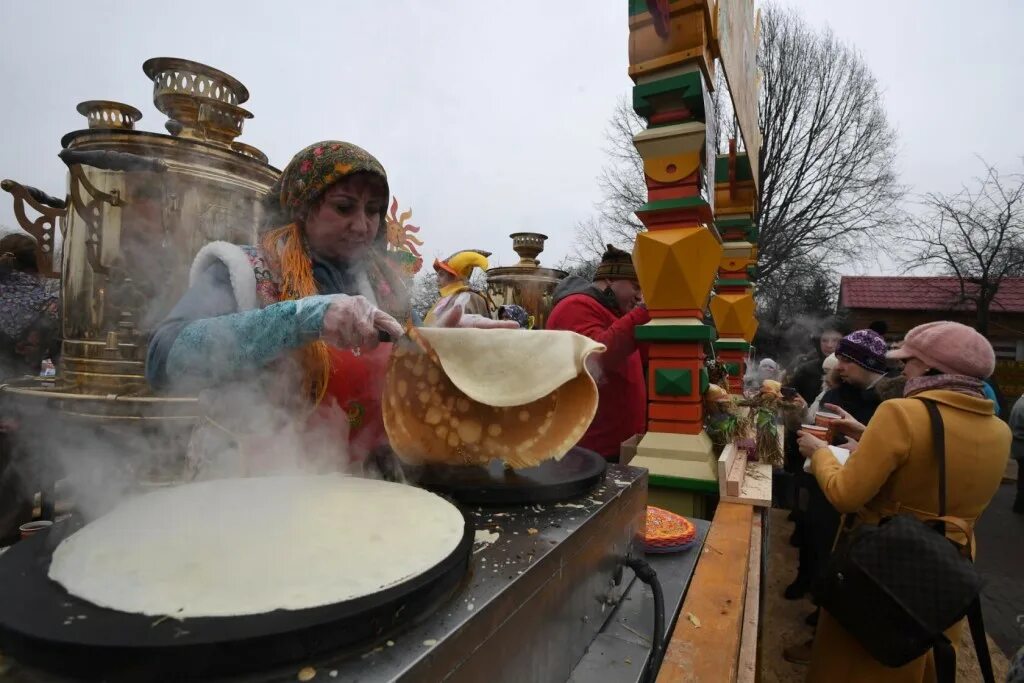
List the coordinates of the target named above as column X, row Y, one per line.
column 827, row 160
column 623, row 188
column 792, row 302
column 976, row 234
column 828, row 174
column 423, row 292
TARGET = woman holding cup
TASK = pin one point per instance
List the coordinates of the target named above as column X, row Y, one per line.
column 894, row 471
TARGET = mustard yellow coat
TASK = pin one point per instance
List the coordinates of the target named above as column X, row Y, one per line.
column 894, row 471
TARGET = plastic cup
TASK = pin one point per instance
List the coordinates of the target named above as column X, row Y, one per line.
column 29, row 528
column 823, row 418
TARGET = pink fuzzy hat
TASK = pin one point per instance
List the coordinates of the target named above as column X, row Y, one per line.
column 949, row 347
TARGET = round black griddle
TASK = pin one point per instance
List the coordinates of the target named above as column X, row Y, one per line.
column 575, row 475
column 42, row 625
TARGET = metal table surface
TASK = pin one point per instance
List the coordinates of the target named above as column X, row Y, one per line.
column 620, row 651
column 522, row 553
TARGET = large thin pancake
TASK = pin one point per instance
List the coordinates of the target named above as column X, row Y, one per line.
column 508, row 367
column 430, row 417
column 231, row 547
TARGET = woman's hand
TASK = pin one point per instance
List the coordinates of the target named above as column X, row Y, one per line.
column 850, row 444
column 809, row 443
column 456, row 317
column 351, row 322
column 846, row 424
column 799, row 402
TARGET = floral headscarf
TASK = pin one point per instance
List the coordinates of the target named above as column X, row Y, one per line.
column 304, row 180
column 312, row 171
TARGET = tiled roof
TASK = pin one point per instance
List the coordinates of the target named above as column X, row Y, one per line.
column 923, row 293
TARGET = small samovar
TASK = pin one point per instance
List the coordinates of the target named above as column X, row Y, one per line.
column 526, row 284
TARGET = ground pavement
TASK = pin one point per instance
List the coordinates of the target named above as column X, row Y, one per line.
column 1000, row 535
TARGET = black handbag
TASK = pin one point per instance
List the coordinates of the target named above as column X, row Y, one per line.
column 898, row 585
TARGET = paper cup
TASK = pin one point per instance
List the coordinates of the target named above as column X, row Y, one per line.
column 29, row 528
column 816, row 430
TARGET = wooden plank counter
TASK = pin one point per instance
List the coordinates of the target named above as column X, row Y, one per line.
column 705, row 644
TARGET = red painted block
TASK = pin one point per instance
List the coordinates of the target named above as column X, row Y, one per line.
column 677, row 313
column 675, row 427
column 675, row 412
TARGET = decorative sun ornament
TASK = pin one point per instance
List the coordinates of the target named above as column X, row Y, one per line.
column 402, row 241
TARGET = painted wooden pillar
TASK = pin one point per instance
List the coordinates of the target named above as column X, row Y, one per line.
column 678, row 256
column 732, row 307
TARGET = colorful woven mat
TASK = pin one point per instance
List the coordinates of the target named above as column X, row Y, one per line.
column 667, row 532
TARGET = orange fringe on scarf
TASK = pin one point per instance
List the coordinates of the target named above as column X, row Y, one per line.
column 285, row 248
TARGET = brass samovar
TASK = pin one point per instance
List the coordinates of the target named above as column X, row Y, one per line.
column 526, row 283
column 138, row 206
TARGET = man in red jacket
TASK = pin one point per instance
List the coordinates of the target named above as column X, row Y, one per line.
column 608, row 310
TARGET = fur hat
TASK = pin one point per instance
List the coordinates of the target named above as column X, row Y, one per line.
column 616, row 264
column 949, row 347
column 866, row 348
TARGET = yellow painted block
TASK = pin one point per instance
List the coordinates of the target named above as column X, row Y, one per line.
column 677, row 267
column 733, row 264
column 672, row 169
column 737, row 249
column 734, row 315
column 690, row 456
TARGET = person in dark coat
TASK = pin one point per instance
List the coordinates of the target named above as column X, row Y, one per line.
column 1017, row 451
column 608, row 310
column 806, row 373
column 862, row 366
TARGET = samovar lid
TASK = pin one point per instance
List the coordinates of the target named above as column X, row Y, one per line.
column 109, row 114
column 189, row 78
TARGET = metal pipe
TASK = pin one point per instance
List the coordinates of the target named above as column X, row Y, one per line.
column 112, row 161
column 44, row 393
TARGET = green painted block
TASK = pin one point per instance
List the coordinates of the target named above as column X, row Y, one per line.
column 731, row 345
column 734, row 223
column 744, row 226
column 685, row 89
column 743, row 172
column 637, row 7
column 703, row 485
column 675, row 333
column 752, row 272
column 734, row 283
column 673, row 382
column 733, row 369
column 705, row 381
column 668, row 204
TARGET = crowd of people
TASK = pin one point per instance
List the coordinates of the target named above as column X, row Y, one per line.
column 881, row 461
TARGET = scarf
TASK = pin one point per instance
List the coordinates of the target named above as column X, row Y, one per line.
column 963, row 384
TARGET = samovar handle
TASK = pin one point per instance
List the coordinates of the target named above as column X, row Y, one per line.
column 43, row 198
column 90, row 210
column 51, row 210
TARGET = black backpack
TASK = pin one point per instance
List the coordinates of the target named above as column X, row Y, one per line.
column 898, row 585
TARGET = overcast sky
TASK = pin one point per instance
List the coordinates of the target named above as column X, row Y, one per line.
column 488, row 116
